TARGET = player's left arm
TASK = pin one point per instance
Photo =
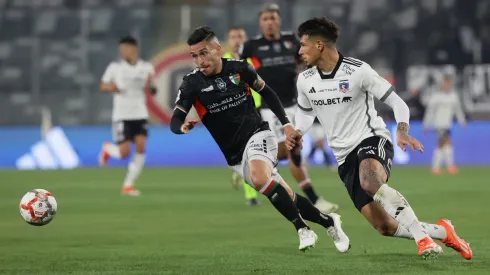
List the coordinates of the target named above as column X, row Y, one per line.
column 373, row 83
column 150, row 84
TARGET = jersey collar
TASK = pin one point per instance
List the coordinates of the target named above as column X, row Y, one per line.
column 332, row 74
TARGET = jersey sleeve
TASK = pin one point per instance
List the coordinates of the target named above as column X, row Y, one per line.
column 109, row 74
column 251, row 77
column 303, row 102
column 372, row 83
column 246, row 51
column 185, row 97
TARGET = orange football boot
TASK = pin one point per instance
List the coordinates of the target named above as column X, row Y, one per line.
column 452, row 240
column 428, row 249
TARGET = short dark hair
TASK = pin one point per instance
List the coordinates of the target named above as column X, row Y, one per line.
column 128, row 40
column 271, row 7
column 203, row 33
column 235, row 28
column 320, row 26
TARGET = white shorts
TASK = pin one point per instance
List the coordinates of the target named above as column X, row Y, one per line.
column 261, row 146
column 275, row 124
column 317, row 132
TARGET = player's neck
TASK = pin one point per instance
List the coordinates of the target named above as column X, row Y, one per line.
column 272, row 36
column 132, row 61
column 329, row 60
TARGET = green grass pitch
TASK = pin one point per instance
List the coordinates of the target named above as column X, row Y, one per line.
column 190, row 221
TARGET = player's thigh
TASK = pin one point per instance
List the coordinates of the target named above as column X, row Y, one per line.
column 140, row 143
column 274, row 124
column 375, row 155
column 349, row 174
column 121, row 134
column 260, row 157
column 377, row 216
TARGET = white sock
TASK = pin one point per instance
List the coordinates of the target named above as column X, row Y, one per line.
column 397, row 206
column 112, row 150
column 437, row 158
column 435, row 231
column 449, row 155
column 134, row 169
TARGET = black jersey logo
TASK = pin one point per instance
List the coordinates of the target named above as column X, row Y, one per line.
column 347, row 99
column 221, row 84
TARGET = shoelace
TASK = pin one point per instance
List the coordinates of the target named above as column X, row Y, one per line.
column 333, row 233
column 305, row 233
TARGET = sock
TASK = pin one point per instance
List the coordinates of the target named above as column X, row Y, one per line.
column 449, row 155
column 435, row 231
column 305, row 185
column 437, row 159
column 250, row 192
column 281, row 200
column 113, row 150
column 134, row 169
column 397, row 206
column 311, row 213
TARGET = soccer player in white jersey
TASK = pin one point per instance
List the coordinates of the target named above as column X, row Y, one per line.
column 441, row 109
column 340, row 91
column 127, row 79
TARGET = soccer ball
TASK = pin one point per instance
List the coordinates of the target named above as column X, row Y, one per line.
column 38, row 207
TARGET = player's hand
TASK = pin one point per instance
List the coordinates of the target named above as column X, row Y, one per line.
column 403, row 140
column 113, row 88
column 188, row 125
column 293, row 139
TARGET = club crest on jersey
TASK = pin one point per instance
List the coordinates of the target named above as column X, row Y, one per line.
column 221, row 84
column 344, row 86
column 288, row 45
column 277, row 47
column 235, row 79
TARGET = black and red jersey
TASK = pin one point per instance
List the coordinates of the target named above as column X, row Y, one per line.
column 225, row 105
column 276, row 61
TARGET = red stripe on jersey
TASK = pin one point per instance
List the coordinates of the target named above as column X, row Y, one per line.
column 200, row 109
column 255, row 62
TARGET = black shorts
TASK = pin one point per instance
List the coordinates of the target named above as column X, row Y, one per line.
column 375, row 147
column 443, row 134
column 126, row 130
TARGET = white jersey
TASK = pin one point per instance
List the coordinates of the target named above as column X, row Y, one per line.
column 441, row 109
column 130, row 102
column 343, row 102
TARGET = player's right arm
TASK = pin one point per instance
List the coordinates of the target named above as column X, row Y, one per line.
column 183, row 105
column 108, row 78
column 304, row 116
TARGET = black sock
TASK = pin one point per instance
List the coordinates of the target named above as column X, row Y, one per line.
column 328, row 162
column 281, row 200
column 309, row 191
column 311, row 213
column 296, row 156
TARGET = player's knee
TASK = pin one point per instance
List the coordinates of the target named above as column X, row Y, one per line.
column 125, row 150
column 282, row 152
column 259, row 178
column 386, row 229
column 140, row 148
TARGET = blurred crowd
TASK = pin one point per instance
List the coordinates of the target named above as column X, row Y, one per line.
column 53, row 52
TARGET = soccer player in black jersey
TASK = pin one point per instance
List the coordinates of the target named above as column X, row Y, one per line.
column 274, row 55
column 219, row 90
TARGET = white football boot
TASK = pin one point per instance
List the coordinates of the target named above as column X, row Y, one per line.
column 307, row 239
column 340, row 239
